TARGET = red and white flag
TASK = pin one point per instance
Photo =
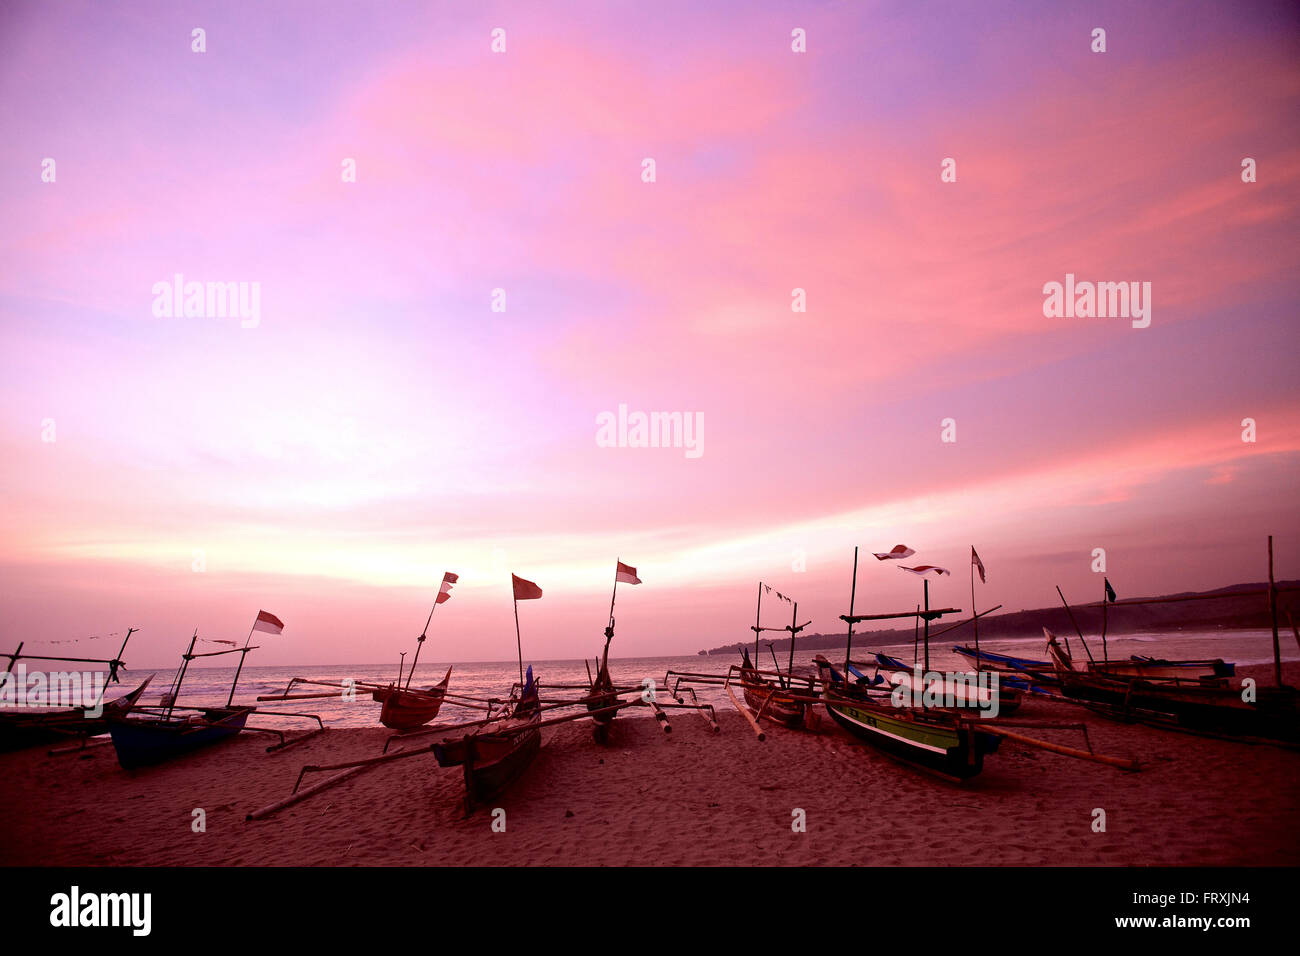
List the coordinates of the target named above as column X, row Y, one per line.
column 979, row 565
column 525, row 590
column 268, row 622
column 895, row 553
column 925, row 569
column 444, row 592
column 625, row 573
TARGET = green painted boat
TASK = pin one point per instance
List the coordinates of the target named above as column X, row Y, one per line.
column 935, row 740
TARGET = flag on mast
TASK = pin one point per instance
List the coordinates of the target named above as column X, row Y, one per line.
column 268, row 622
column 895, row 553
column 921, row 569
column 979, row 565
column 444, row 592
column 525, row 590
column 1110, row 591
column 625, row 574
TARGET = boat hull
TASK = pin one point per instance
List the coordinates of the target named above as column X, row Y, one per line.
column 936, row 745
column 493, row 761
column 1212, row 709
column 768, row 703
column 19, row 729
column 960, row 690
column 144, row 741
column 601, row 696
column 409, row 709
column 1152, row 668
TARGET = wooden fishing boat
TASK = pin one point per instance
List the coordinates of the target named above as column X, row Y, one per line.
column 1208, row 706
column 29, row 727
column 406, row 709
column 1135, row 666
column 987, row 660
column 934, row 739
column 767, row 700
column 600, row 697
column 156, row 734
column 962, row 690
column 495, row 758
column 142, row 741
column 1153, row 667
column 770, row 695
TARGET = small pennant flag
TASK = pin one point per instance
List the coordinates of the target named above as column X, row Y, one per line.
column 268, row 622
column 925, row 569
column 525, row 590
column 896, row 553
column 444, row 592
column 625, row 573
column 1110, row 591
column 979, row 565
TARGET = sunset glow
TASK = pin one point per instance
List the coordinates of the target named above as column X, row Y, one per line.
column 381, row 424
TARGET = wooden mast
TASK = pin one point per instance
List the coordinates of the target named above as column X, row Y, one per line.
column 926, row 625
column 1105, row 651
column 853, row 593
column 794, row 620
column 1077, row 629
column 419, row 641
column 758, row 620
column 240, row 668
column 180, row 675
column 1272, row 610
column 973, row 609
column 519, row 644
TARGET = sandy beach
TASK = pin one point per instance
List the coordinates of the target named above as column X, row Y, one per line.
column 687, row 798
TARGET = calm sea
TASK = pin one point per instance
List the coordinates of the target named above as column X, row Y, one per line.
column 210, row 685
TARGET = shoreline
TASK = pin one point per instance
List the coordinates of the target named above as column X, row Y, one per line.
column 685, row 798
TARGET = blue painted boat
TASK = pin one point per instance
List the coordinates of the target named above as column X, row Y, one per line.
column 143, row 741
column 1007, row 691
column 1135, row 666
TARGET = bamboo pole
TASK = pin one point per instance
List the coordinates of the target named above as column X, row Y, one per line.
column 1122, row 762
column 853, row 594
column 744, row 712
column 1272, row 610
column 299, row 795
column 794, row 619
column 240, row 669
column 976, row 619
column 953, row 627
column 1070, row 612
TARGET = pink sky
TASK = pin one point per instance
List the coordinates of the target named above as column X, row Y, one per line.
column 381, row 424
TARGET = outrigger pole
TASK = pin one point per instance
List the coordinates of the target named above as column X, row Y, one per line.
column 113, row 664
